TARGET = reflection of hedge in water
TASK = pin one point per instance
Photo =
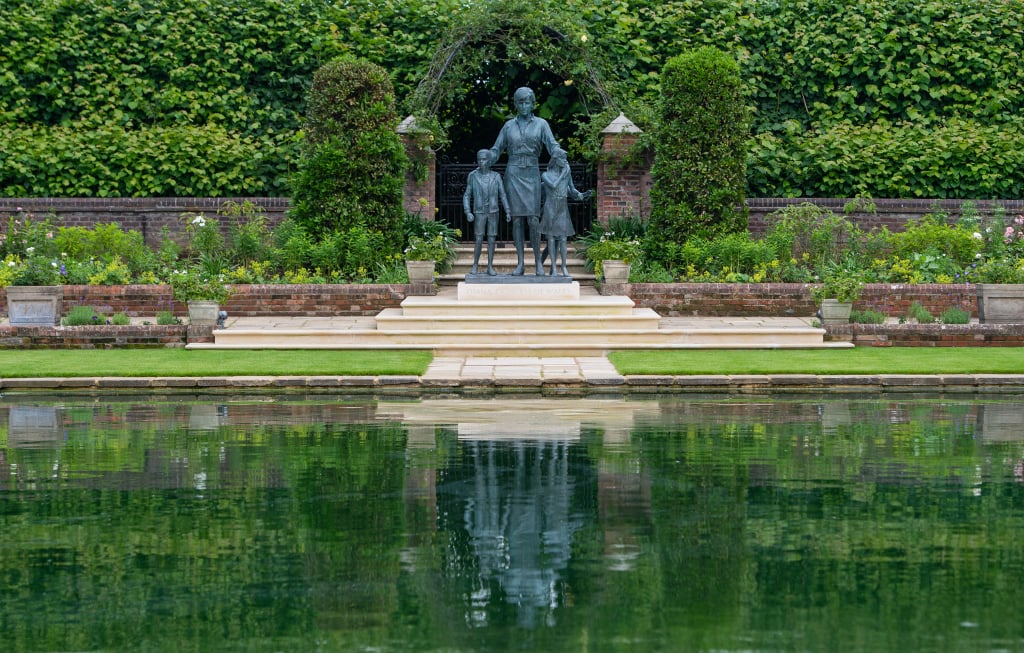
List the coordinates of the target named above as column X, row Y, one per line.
column 182, row 503
column 746, row 515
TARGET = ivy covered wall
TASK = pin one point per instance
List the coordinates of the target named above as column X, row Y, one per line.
column 205, row 97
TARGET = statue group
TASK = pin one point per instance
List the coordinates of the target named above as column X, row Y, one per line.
column 530, row 199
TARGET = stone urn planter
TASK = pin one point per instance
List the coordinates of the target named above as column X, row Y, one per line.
column 420, row 271
column 615, row 271
column 35, row 305
column 834, row 311
column 203, row 312
column 1000, row 303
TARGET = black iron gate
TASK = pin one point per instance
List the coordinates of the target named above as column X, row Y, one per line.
column 451, row 186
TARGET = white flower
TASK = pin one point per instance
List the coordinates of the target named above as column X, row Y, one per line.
column 977, row 236
column 29, row 250
column 10, row 264
column 199, row 221
column 584, row 38
column 53, row 264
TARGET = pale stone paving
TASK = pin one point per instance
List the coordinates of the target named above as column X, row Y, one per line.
column 589, row 369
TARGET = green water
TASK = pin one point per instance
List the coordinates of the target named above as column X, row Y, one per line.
column 685, row 523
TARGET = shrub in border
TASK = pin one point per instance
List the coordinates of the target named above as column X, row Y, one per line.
column 352, row 172
column 699, row 167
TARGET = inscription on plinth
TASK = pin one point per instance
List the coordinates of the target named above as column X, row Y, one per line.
column 34, row 305
column 518, row 291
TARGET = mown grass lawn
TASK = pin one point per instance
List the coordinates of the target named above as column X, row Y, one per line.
column 183, row 362
column 859, row 360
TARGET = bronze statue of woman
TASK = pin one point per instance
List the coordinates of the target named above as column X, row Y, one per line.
column 524, row 137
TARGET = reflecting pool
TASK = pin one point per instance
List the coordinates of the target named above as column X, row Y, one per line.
column 681, row 523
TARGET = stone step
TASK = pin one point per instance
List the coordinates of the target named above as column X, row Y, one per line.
column 522, row 317
column 592, row 306
column 395, row 319
column 505, row 261
column 509, row 341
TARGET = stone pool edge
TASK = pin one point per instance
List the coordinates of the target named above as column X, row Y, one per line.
column 848, row 383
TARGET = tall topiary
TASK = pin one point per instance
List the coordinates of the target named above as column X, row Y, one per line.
column 353, row 168
column 699, row 170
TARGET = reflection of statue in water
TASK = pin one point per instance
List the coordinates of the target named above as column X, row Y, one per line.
column 484, row 195
column 524, row 136
column 521, row 517
column 556, row 224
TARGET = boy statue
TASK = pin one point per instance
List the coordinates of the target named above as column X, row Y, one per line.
column 484, row 191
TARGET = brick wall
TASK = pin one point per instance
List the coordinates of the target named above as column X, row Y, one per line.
column 94, row 337
column 147, row 215
column 680, row 299
column 788, row 299
column 419, row 196
column 669, row 299
column 891, row 213
column 316, row 300
column 248, row 300
column 621, row 190
column 623, row 187
column 928, row 335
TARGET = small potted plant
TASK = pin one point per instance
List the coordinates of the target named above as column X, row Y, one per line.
column 1000, row 290
column 839, row 288
column 201, row 291
column 612, row 257
column 425, row 254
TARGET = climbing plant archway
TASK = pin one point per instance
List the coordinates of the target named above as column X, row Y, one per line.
column 498, row 46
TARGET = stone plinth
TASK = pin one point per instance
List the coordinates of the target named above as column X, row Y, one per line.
column 520, row 291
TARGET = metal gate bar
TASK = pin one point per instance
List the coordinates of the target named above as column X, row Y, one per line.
column 451, row 186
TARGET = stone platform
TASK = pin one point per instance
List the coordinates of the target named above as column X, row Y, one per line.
column 522, row 319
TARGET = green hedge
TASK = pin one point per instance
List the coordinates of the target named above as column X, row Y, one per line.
column 348, row 188
column 112, row 161
column 954, row 159
column 698, row 171
column 821, row 76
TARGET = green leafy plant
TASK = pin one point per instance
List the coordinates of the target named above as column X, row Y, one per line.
column 867, row 316
column 429, row 240
column 996, row 270
column 251, row 237
column 650, row 273
column 842, row 284
column 32, row 271
column 920, row 313
column 391, row 273
column 206, row 243
column 955, row 315
column 806, row 231
column 167, row 318
column 195, row 283
column 353, row 168
column 438, row 248
column 698, row 174
column 609, row 247
column 83, row 316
